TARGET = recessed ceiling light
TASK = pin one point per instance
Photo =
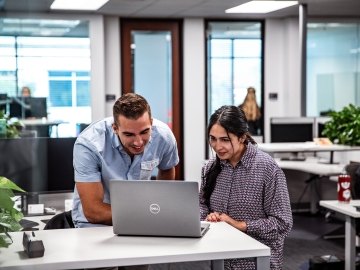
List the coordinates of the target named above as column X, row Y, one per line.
column 261, row 6
column 78, row 4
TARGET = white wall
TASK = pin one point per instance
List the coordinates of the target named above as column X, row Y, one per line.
column 282, row 70
column 97, row 85
column 194, row 98
column 112, row 61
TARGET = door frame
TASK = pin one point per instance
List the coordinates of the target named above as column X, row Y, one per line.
column 173, row 26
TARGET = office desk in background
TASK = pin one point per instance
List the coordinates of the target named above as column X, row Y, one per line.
column 350, row 229
column 99, row 247
column 316, row 170
column 34, row 124
column 273, row 148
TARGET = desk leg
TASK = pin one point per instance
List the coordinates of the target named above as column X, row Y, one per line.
column 263, row 263
column 350, row 248
column 313, row 195
column 217, row 265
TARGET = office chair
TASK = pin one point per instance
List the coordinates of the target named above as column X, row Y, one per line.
column 353, row 169
column 60, row 221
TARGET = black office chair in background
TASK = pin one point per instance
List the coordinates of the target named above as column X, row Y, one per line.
column 353, row 169
column 60, row 221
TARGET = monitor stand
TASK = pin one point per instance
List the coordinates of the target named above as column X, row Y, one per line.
column 295, row 156
column 29, row 198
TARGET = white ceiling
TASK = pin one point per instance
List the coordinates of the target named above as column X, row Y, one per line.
column 211, row 9
column 192, row 8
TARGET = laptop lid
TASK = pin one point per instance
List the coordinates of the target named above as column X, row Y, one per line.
column 156, row 208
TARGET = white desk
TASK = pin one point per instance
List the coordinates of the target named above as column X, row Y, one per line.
column 272, row 148
column 316, row 170
column 43, row 122
column 99, row 247
column 312, row 166
column 351, row 214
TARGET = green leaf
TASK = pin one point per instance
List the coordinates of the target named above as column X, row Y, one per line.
column 344, row 126
column 8, row 223
column 8, row 184
column 5, row 241
column 9, row 216
column 6, row 202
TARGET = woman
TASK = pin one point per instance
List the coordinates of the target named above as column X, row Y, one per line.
column 252, row 111
column 244, row 187
column 25, row 91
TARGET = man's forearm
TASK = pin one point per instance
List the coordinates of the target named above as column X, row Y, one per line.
column 99, row 214
column 166, row 174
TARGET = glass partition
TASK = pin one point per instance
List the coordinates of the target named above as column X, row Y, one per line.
column 52, row 59
column 234, row 63
column 333, row 66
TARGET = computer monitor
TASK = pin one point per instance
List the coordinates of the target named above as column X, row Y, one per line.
column 25, row 107
column 3, row 98
column 292, row 129
column 38, row 107
column 39, row 165
column 320, row 125
column 19, row 108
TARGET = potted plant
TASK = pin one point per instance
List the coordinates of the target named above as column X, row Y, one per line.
column 9, row 215
column 344, row 126
column 13, row 126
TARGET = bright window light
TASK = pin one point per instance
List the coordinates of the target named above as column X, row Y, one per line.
column 78, row 4
column 261, row 6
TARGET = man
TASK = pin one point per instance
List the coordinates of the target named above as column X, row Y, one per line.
column 128, row 146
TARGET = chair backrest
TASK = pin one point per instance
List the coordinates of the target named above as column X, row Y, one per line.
column 353, row 169
column 60, row 221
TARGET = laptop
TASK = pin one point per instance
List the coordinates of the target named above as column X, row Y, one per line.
column 156, row 208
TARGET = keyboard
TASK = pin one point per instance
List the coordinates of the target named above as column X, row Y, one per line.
column 28, row 224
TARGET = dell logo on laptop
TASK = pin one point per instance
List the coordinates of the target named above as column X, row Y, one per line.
column 154, row 208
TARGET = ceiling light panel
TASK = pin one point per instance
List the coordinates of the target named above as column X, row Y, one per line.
column 261, row 6
column 78, row 4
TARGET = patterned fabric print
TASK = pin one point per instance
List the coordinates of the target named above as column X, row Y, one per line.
column 255, row 191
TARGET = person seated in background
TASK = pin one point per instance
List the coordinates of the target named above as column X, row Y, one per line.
column 252, row 111
column 244, row 187
column 25, row 91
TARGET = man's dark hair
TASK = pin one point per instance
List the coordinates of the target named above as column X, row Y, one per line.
column 131, row 106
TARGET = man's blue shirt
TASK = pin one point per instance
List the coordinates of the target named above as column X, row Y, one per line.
column 99, row 156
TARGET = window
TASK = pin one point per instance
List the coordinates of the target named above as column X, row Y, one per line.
column 69, row 89
column 234, row 63
column 333, row 66
column 54, row 62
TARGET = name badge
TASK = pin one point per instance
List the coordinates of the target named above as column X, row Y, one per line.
column 149, row 165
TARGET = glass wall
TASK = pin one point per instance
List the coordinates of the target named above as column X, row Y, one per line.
column 333, row 67
column 52, row 58
column 234, row 63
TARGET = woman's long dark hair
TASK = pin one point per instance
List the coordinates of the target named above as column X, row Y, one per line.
column 233, row 120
